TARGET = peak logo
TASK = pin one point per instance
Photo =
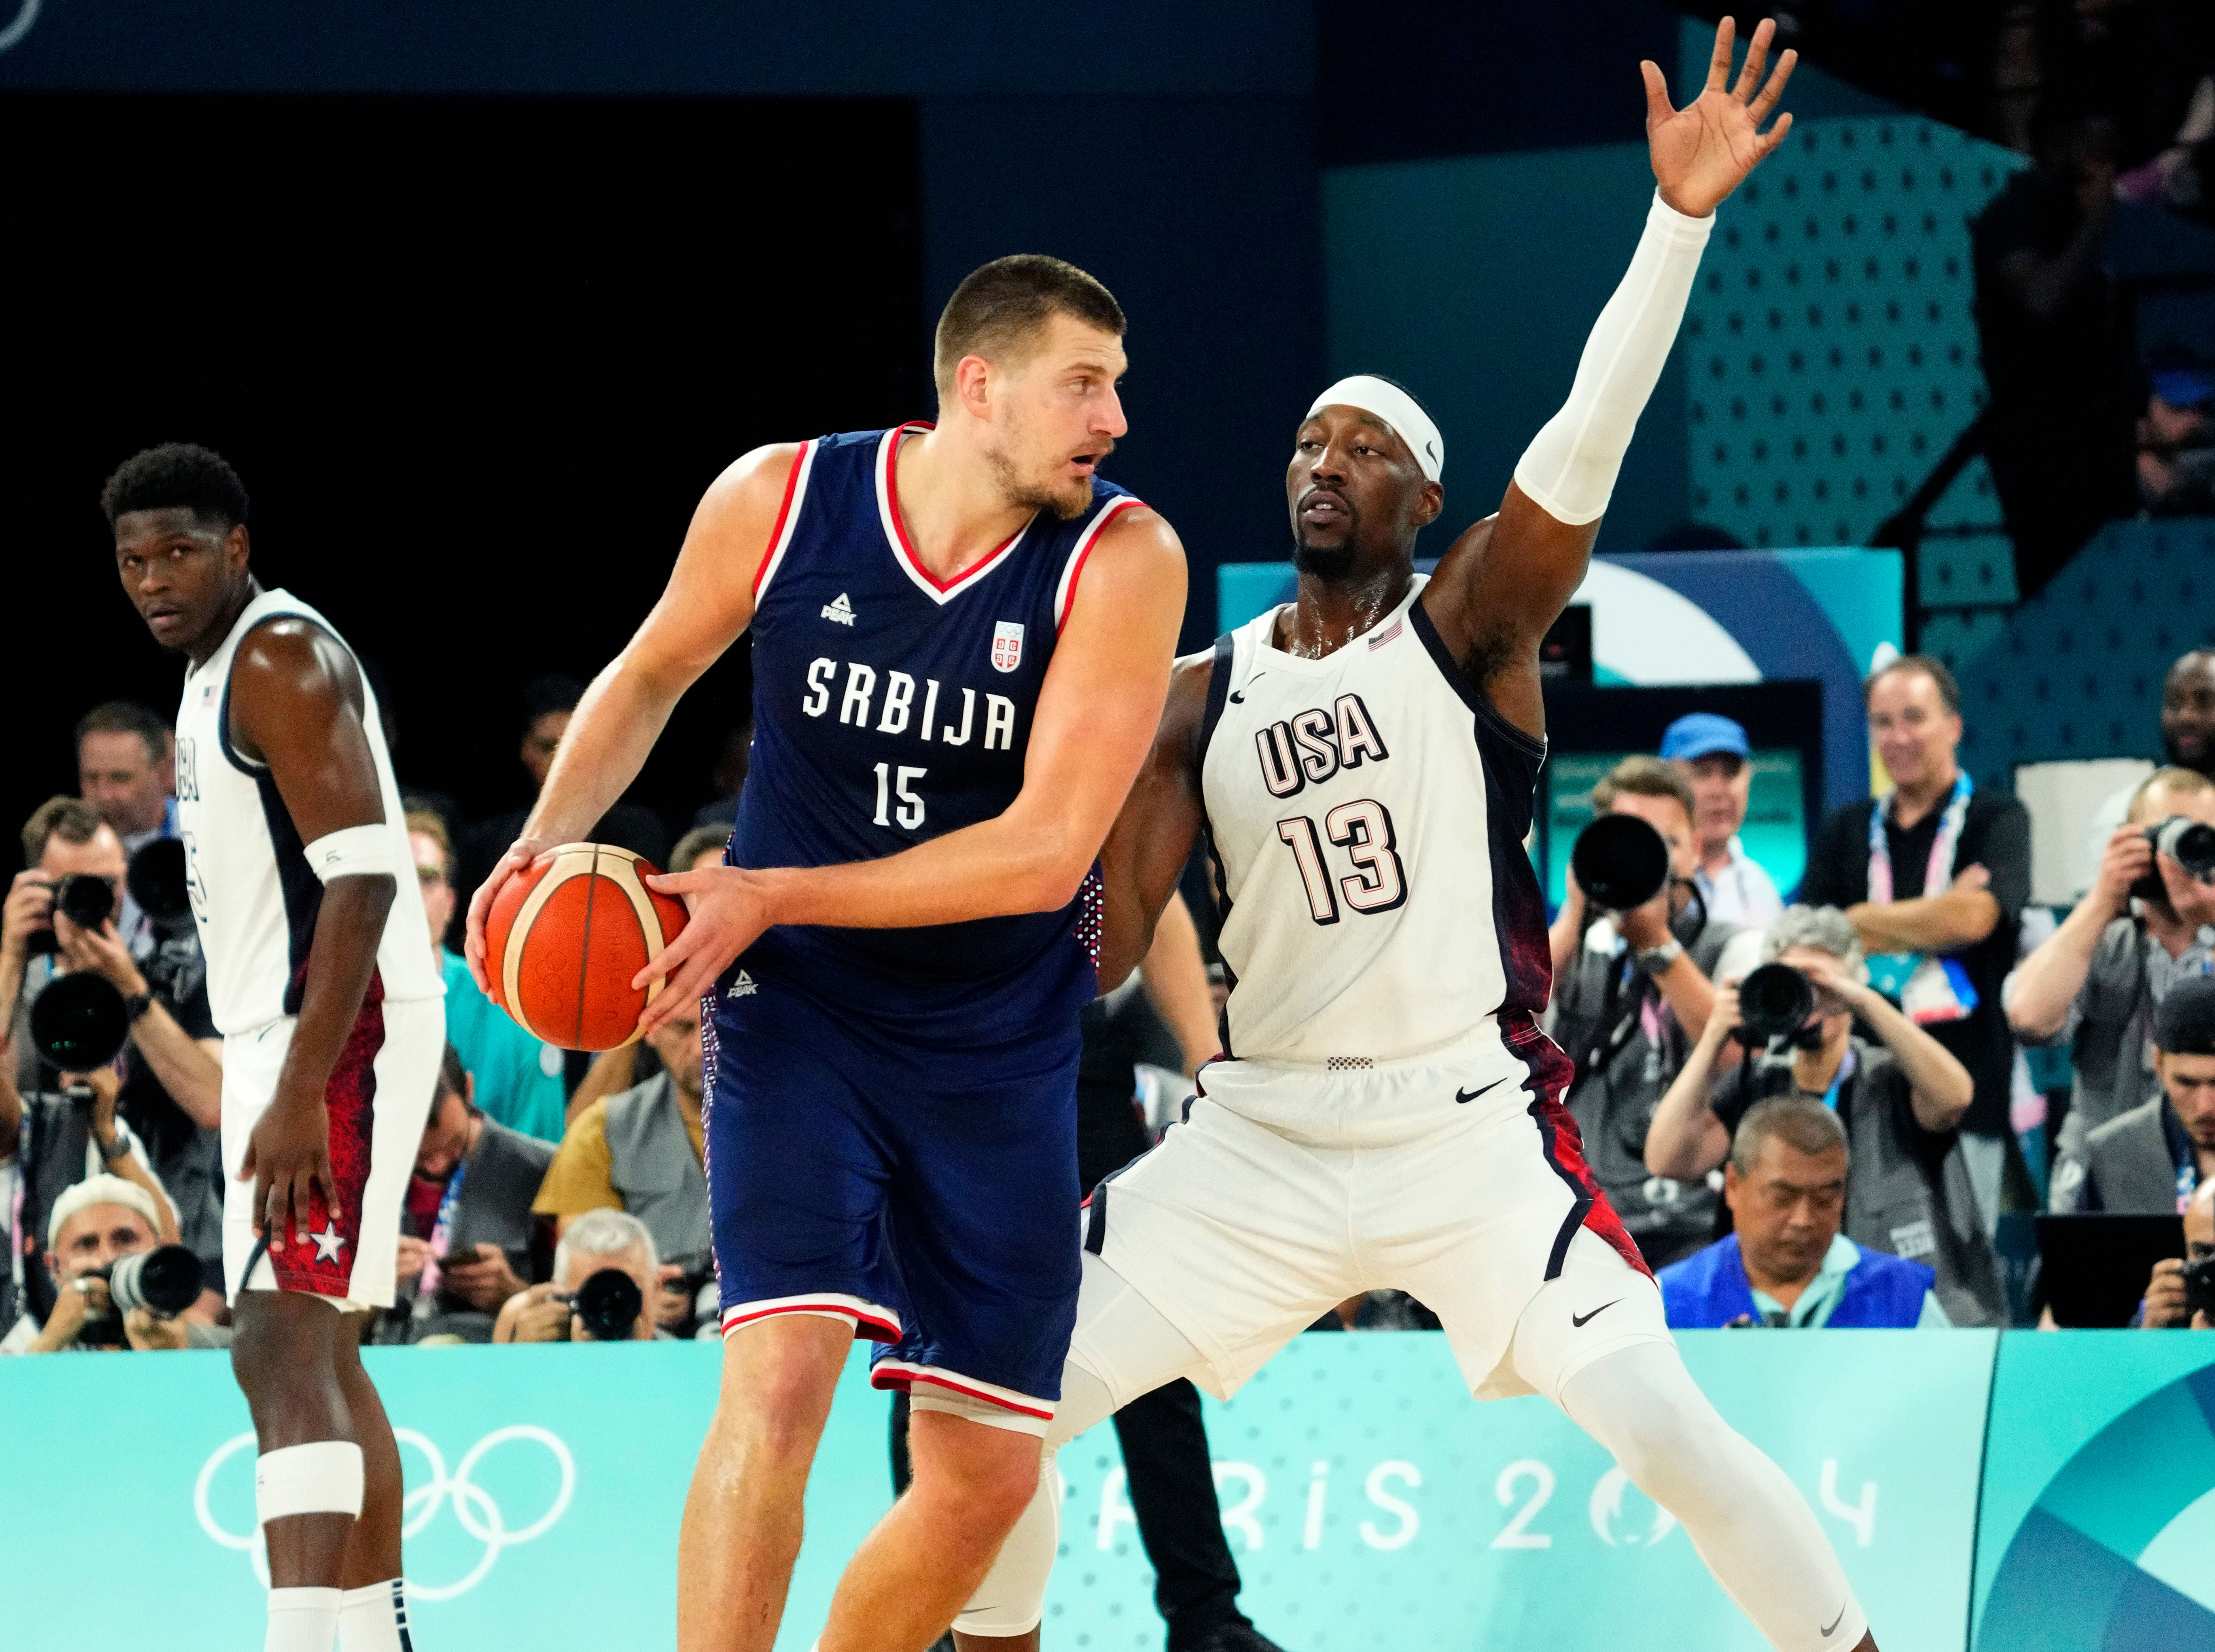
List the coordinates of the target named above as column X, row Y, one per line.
column 478, row 1512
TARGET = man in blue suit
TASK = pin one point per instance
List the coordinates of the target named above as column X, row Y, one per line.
column 1787, row 1265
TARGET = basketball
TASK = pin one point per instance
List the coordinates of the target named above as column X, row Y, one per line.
column 566, row 934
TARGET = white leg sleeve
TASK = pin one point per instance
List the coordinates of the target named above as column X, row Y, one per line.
column 1122, row 1347
column 1570, row 467
column 1749, row 1522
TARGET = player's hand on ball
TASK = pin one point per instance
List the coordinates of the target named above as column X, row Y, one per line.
column 728, row 914
column 521, row 854
column 1703, row 150
column 288, row 1156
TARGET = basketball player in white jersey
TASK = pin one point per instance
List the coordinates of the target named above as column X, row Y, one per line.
column 1387, row 1113
column 320, row 980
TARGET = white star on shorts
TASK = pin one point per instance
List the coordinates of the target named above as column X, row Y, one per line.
column 327, row 1244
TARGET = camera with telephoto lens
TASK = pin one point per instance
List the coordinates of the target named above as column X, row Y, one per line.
column 86, row 899
column 165, row 1280
column 608, row 1303
column 1620, row 861
column 2199, row 1288
column 79, row 1022
column 2189, row 843
column 1774, row 1001
column 156, row 881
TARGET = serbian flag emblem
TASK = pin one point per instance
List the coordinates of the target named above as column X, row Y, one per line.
column 1006, row 645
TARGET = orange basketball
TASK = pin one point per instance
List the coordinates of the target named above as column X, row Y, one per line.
column 566, row 935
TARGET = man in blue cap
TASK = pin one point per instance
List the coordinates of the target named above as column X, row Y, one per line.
column 1712, row 754
column 2176, row 441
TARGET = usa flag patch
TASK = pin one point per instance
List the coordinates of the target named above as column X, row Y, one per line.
column 1006, row 645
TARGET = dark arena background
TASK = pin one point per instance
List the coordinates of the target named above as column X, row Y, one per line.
column 479, row 299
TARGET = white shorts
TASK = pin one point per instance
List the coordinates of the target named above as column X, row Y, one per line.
column 379, row 1097
column 1242, row 1234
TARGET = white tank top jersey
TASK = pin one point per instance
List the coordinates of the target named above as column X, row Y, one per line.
column 255, row 897
column 1367, row 813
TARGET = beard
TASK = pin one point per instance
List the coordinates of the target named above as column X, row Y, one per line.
column 1068, row 498
column 1324, row 562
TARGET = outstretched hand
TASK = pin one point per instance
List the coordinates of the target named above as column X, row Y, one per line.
column 728, row 915
column 1703, row 150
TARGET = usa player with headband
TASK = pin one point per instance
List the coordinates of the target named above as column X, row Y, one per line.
column 961, row 641
column 1361, row 763
column 319, row 978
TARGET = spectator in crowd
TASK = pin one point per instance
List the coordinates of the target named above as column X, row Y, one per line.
column 2150, row 1160
column 92, row 1226
column 1712, row 754
column 2165, row 1307
column 548, row 705
column 1786, row 1264
column 467, row 1230
column 2177, row 443
column 126, row 769
column 634, row 1064
column 517, row 1076
column 1630, row 990
column 642, row 1150
column 729, row 778
column 2099, row 980
column 1897, row 1101
column 2187, row 739
column 1934, row 875
column 598, row 1239
column 2059, row 424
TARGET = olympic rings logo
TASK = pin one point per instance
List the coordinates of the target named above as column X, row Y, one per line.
column 474, row 1507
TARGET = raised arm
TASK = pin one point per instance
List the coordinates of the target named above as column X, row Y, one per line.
column 707, row 603
column 1504, row 583
column 1097, row 713
column 296, row 704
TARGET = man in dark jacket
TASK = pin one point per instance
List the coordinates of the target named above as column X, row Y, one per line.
column 467, row 1233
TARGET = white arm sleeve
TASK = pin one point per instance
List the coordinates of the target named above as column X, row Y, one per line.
column 352, row 851
column 1570, row 467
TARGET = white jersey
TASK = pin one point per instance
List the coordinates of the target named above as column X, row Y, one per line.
column 254, row 895
column 1367, row 813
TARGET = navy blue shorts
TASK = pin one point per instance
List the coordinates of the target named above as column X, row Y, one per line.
column 929, row 1193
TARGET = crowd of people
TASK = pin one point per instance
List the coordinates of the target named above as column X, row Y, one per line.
column 1854, row 1171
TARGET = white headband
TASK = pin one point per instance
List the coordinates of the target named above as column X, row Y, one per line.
column 1397, row 409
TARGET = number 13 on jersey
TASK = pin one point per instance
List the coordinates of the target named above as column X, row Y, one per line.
column 1363, row 828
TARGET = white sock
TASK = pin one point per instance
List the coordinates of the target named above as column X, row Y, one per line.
column 302, row 1620
column 374, row 1619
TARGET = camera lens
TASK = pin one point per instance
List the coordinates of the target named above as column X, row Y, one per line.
column 2189, row 843
column 1774, row 1000
column 85, row 900
column 609, row 1304
column 156, row 881
column 1621, row 862
column 78, row 1022
column 166, row 1279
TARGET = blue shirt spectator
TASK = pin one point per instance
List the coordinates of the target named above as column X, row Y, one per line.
column 518, row 1077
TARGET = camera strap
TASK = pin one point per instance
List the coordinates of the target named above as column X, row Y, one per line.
column 426, row 1286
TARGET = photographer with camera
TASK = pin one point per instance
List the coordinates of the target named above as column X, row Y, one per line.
column 2151, row 1159
column 643, row 1150
column 466, row 1231
column 1634, row 955
column 2181, row 1294
column 117, row 1277
column 59, row 921
column 1900, row 1102
column 2101, row 979
column 127, row 768
column 606, row 1276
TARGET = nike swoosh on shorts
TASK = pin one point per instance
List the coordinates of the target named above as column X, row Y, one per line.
column 1472, row 1094
column 1580, row 1322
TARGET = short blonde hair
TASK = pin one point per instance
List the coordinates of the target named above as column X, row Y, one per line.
column 2178, row 783
column 423, row 820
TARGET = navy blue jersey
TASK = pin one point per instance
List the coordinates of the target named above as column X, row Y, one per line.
column 891, row 708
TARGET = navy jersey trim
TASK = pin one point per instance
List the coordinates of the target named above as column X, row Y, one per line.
column 788, row 517
column 1471, row 696
column 888, row 483
column 301, row 889
column 1581, row 1206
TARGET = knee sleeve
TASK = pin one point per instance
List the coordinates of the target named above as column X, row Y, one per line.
column 1011, row 1599
column 930, row 1397
column 1747, row 1520
column 321, row 1478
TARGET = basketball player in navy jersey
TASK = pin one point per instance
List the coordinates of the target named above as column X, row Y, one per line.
column 1362, row 763
column 333, row 1020
column 961, row 641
